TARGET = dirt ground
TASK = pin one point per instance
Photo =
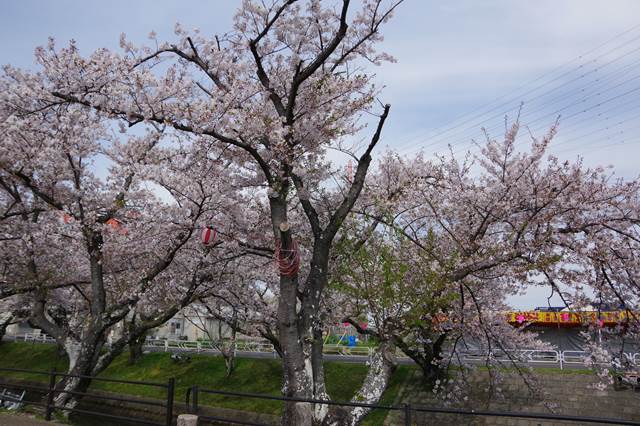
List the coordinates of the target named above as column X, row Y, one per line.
column 18, row 419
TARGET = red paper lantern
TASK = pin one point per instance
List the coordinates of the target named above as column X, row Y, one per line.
column 209, row 235
column 116, row 225
column 65, row 217
column 113, row 223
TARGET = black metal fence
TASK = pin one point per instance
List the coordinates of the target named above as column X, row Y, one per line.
column 53, row 389
column 408, row 412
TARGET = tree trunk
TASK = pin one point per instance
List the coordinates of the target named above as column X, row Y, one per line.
column 85, row 359
column 229, row 360
column 428, row 359
column 135, row 348
column 381, row 367
column 69, row 401
column 229, row 351
column 300, row 335
column 304, row 372
column 81, row 363
column 4, row 323
column 431, row 373
column 294, row 339
column 298, row 376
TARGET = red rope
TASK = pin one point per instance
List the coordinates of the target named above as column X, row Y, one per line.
column 288, row 261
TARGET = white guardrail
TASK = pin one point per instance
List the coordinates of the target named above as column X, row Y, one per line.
column 529, row 356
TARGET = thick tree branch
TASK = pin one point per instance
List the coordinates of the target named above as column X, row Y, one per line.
column 358, row 181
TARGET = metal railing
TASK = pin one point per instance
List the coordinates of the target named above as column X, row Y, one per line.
column 532, row 356
column 53, row 388
column 408, row 411
column 192, row 403
column 39, row 338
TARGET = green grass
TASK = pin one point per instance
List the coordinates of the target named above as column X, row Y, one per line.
column 252, row 375
column 31, row 356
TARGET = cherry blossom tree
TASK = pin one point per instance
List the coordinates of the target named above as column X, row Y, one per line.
column 234, row 129
column 418, row 310
column 274, row 94
column 483, row 228
column 246, row 304
column 87, row 252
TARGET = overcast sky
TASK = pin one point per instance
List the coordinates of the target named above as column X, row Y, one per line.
column 454, row 57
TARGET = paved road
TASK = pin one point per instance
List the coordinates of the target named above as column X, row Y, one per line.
column 22, row 420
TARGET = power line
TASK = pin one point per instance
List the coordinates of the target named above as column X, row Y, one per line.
column 619, row 144
column 603, row 129
column 588, row 109
column 475, row 127
column 475, row 114
column 576, row 125
column 552, row 115
column 595, row 85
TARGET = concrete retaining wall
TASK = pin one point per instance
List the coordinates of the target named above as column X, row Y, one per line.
column 571, row 393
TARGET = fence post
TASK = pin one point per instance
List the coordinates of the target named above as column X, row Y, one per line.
column 194, row 401
column 166, row 345
column 50, row 395
column 170, row 393
column 407, row 414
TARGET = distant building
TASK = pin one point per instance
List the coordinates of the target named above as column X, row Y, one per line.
column 21, row 328
column 192, row 323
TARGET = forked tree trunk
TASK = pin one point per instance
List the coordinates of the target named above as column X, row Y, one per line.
column 300, row 336
column 299, row 322
column 310, row 384
column 304, row 369
column 82, row 362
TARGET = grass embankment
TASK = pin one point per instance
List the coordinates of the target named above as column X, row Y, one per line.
column 251, row 375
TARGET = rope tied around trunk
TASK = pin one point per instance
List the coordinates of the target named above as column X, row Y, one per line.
column 288, row 260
